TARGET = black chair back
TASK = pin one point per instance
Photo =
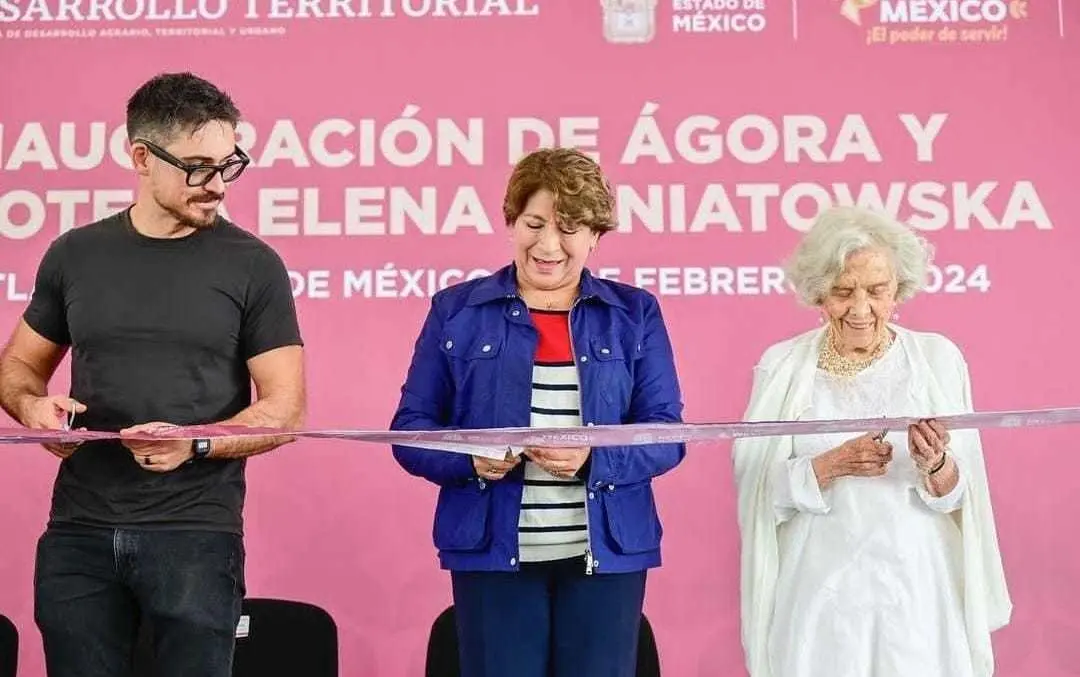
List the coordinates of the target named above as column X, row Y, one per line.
column 285, row 639
column 648, row 657
column 9, row 647
column 442, row 649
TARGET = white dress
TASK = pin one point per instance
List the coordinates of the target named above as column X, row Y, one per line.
column 866, row 586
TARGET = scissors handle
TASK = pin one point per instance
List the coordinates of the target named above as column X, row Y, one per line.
column 69, row 423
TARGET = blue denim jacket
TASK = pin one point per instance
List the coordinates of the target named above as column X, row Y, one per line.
column 472, row 368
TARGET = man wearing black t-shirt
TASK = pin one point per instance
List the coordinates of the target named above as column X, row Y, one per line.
column 170, row 313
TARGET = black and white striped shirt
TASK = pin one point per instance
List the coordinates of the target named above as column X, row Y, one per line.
column 552, row 520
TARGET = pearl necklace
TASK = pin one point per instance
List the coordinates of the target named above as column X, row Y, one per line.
column 831, row 361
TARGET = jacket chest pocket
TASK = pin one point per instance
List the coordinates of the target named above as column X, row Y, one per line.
column 474, row 363
column 611, row 367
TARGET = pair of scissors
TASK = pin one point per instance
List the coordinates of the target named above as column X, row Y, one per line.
column 69, row 423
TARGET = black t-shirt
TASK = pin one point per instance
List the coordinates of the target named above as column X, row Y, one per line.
column 160, row 330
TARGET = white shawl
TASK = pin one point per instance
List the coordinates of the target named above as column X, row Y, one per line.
column 783, row 382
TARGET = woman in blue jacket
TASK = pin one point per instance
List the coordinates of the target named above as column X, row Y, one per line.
column 548, row 550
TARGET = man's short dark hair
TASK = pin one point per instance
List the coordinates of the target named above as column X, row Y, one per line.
column 177, row 102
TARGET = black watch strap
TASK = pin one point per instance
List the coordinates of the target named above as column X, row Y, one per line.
column 200, row 449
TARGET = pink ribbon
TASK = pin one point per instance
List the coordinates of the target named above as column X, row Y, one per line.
column 585, row 436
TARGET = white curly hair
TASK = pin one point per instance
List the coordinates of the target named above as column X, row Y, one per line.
column 839, row 232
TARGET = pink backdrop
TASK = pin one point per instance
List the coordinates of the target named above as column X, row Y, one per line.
column 710, row 204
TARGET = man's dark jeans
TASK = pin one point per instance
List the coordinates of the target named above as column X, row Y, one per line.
column 93, row 587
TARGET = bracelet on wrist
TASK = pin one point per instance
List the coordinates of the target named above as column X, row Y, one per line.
column 939, row 466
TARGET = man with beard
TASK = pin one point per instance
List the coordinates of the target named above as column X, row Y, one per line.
column 170, row 312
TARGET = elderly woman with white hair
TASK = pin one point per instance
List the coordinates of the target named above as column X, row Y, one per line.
column 874, row 555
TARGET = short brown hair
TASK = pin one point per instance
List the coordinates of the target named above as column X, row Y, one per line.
column 583, row 196
column 177, row 102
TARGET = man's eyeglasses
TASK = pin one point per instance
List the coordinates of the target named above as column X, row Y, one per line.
column 200, row 174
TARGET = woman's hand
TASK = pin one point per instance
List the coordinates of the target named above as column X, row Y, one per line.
column 927, row 443
column 863, row 456
column 492, row 469
column 559, row 462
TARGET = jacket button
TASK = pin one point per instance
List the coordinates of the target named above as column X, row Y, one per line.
column 515, row 313
column 611, row 487
column 486, row 348
column 513, row 561
column 449, row 345
column 604, row 351
column 584, row 358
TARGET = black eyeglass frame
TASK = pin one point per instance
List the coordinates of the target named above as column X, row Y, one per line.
column 242, row 161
